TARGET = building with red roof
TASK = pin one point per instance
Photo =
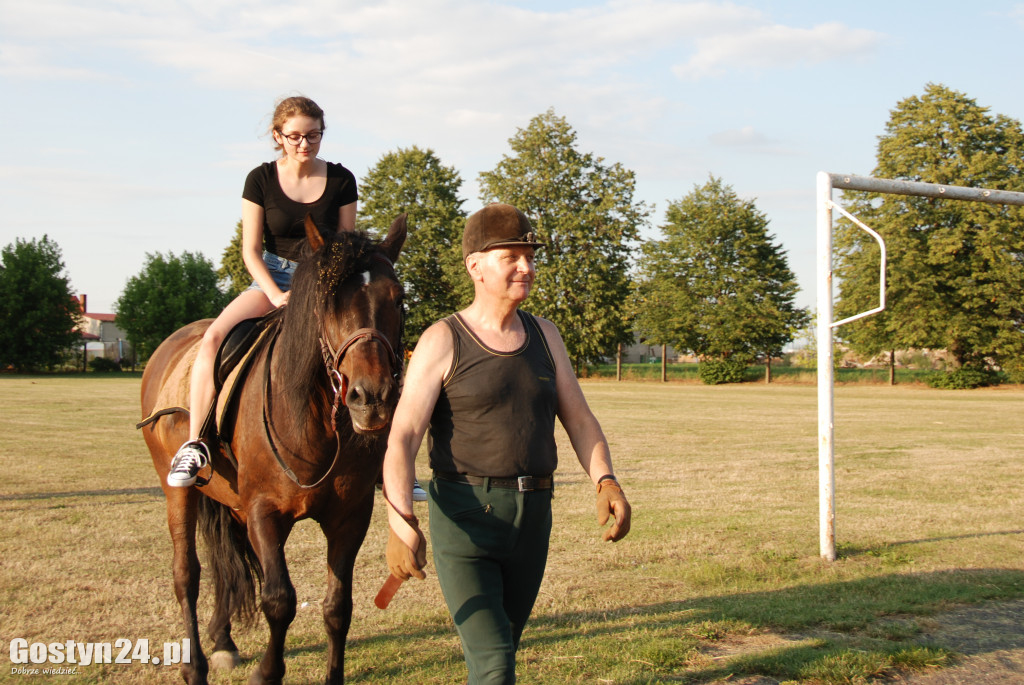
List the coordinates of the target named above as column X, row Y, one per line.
column 101, row 336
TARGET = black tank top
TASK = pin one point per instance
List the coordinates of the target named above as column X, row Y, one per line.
column 495, row 415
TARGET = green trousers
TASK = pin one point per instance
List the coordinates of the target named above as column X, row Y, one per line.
column 490, row 549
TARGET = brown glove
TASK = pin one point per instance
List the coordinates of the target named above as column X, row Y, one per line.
column 402, row 561
column 611, row 500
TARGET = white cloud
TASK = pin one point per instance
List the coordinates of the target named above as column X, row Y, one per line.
column 745, row 136
column 458, row 69
column 37, row 64
column 435, row 44
column 748, row 139
column 1017, row 13
column 84, row 186
column 775, row 46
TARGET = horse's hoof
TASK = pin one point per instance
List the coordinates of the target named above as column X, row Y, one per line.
column 224, row 660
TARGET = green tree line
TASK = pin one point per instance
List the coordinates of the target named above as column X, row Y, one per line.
column 714, row 281
column 955, row 273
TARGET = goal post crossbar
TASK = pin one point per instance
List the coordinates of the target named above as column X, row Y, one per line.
column 826, row 182
column 893, row 187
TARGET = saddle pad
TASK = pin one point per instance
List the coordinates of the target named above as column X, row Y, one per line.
column 226, row 404
column 238, row 342
column 174, row 391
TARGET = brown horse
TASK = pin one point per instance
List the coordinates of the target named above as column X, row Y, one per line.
column 304, row 437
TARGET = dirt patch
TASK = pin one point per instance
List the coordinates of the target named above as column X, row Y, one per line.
column 991, row 638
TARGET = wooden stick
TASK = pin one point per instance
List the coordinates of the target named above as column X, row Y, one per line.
column 387, row 591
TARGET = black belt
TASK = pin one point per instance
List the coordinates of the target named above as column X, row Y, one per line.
column 521, row 483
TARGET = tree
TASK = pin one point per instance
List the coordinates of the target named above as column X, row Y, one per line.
column 415, row 182
column 584, row 213
column 233, row 274
column 955, row 271
column 168, row 293
column 717, row 284
column 37, row 308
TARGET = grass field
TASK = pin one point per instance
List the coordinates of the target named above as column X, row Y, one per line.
column 719, row 580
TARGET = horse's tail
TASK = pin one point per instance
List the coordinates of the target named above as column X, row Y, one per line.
column 236, row 568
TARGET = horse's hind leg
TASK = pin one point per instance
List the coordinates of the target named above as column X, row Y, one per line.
column 344, row 536
column 182, row 513
column 224, row 656
column 233, row 567
column 268, row 532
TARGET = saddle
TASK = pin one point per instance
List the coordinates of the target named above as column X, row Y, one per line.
column 239, row 341
column 234, row 357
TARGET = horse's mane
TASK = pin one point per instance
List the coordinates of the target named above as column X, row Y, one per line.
column 317, row 291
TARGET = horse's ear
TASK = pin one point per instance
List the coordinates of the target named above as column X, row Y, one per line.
column 392, row 244
column 313, row 235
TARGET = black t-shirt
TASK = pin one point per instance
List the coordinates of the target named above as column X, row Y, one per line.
column 284, row 219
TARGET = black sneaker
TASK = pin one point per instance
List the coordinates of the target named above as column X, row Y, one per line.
column 191, row 457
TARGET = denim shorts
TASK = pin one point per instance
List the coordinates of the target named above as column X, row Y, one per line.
column 281, row 270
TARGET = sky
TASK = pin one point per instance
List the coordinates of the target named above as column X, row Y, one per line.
column 130, row 125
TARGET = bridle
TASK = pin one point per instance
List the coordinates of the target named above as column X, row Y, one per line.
column 333, row 359
column 339, row 383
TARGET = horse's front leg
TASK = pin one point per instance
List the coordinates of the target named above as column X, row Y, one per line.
column 182, row 514
column 344, row 535
column 268, row 532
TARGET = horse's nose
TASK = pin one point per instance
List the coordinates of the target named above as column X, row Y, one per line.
column 362, row 395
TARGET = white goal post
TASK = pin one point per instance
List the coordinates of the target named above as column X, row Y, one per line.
column 826, row 381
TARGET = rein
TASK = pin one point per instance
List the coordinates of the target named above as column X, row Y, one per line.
column 267, row 430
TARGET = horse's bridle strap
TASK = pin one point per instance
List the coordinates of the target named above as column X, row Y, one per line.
column 332, row 360
column 359, row 334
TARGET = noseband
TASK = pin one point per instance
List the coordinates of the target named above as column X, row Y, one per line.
column 332, row 360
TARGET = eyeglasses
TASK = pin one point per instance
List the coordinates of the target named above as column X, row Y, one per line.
column 313, row 137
